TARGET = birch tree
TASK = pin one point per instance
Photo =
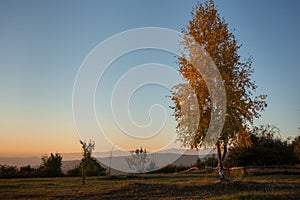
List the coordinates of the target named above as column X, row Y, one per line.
column 211, row 32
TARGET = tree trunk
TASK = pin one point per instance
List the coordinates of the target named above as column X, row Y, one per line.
column 220, row 162
column 83, row 176
column 221, row 159
column 225, row 151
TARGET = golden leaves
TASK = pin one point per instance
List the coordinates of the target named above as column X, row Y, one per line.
column 212, row 33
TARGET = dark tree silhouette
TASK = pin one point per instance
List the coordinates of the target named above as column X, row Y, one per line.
column 268, row 148
column 51, row 166
column 296, row 147
column 7, row 171
column 89, row 166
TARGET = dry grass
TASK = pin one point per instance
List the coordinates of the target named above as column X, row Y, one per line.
column 155, row 186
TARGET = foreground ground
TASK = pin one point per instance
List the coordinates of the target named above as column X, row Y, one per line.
column 156, row 186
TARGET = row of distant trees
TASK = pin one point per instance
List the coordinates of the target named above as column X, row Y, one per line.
column 51, row 166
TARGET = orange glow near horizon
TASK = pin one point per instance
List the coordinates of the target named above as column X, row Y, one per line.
column 31, row 136
column 36, row 137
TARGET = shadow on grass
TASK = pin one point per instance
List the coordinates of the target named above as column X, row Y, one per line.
column 157, row 177
column 167, row 191
column 158, row 186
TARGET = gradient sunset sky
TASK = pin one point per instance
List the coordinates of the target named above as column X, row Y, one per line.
column 43, row 43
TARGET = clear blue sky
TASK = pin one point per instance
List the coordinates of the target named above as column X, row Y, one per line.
column 43, row 43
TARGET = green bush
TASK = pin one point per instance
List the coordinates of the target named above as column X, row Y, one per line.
column 27, row 172
column 93, row 168
column 171, row 169
column 51, row 166
column 267, row 149
column 74, row 172
column 8, row 171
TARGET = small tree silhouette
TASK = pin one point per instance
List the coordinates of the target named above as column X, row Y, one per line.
column 86, row 156
column 51, row 166
column 138, row 160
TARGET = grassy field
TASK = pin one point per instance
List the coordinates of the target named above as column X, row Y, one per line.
column 154, row 186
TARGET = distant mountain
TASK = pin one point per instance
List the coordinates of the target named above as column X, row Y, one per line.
column 117, row 159
column 117, row 153
column 161, row 159
column 21, row 161
column 119, row 164
column 202, row 152
column 69, row 164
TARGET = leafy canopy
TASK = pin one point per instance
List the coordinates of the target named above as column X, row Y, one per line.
column 211, row 32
